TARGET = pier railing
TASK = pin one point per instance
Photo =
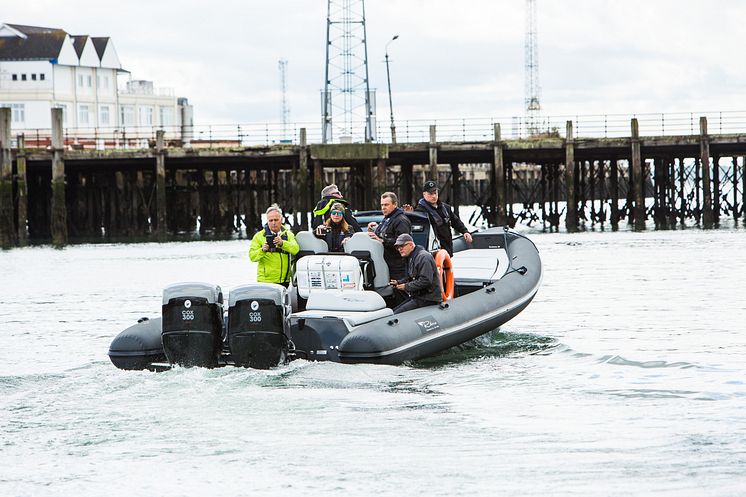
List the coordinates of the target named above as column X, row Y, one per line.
column 473, row 129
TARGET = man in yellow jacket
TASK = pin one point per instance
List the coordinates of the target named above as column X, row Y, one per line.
column 271, row 249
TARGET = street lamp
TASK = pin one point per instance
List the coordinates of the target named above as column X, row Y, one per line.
column 388, row 79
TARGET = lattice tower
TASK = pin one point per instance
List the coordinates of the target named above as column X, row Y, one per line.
column 531, row 52
column 283, row 66
column 347, row 103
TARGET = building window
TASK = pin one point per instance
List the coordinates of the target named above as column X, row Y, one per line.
column 15, row 77
column 23, row 77
column 128, row 115
column 84, row 115
column 103, row 115
column 146, row 116
column 80, row 80
column 17, row 112
column 41, row 76
column 89, row 80
column 33, row 77
column 167, row 116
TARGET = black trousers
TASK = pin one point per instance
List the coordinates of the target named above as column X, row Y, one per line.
column 412, row 303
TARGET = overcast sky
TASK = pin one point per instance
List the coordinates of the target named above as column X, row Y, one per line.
column 453, row 58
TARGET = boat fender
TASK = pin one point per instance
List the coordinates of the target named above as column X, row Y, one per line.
column 445, row 269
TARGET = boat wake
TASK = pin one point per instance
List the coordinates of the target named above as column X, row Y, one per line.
column 494, row 343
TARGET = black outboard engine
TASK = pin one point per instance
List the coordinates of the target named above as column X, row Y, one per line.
column 258, row 325
column 192, row 324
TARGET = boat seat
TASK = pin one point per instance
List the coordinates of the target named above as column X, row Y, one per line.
column 309, row 244
column 475, row 266
column 350, row 318
column 354, row 308
column 331, row 300
column 370, row 252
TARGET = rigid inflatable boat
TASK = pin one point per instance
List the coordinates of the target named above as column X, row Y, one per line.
column 336, row 308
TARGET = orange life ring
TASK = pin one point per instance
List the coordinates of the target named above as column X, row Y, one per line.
column 445, row 269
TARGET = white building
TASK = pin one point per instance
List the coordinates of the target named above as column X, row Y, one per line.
column 42, row 68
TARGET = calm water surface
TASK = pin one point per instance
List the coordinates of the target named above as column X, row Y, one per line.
column 625, row 376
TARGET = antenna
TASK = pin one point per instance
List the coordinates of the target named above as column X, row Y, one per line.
column 283, row 66
column 531, row 52
column 347, row 104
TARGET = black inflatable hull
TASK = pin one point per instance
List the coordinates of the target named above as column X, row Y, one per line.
column 139, row 346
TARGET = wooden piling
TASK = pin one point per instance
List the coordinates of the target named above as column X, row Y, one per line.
column 7, row 211
column 716, row 189
column 407, row 183
column 318, row 179
column 455, row 187
column 704, row 154
column 735, row 187
column 614, row 177
column 380, row 182
column 160, row 185
column 58, row 225
column 571, row 217
column 304, row 191
column 433, row 154
column 22, row 187
column 638, row 177
column 743, row 188
column 682, row 192
column 671, row 184
column 498, row 206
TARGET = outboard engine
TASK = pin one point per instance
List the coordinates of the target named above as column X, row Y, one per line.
column 258, row 325
column 192, row 324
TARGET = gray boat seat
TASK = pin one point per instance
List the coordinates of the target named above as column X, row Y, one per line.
column 309, row 244
column 365, row 248
column 354, row 308
column 479, row 266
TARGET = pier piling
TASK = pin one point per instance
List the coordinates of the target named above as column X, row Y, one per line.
column 571, row 217
column 499, row 194
column 22, row 187
column 7, row 211
column 59, row 208
column 433, row 154
column 704, row 154
column 637, row 177
column 161, row 227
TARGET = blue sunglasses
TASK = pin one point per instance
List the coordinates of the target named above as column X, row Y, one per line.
column 337, row 213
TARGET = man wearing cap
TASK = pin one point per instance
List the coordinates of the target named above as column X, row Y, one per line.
column 330, row 195
column 441, row 216
column 422, row 283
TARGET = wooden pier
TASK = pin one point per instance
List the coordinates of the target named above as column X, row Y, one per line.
column 54, row 192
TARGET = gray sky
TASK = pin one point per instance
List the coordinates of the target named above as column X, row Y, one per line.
column 453, row 59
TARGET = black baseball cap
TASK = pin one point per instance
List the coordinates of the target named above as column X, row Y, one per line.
column 430, row 186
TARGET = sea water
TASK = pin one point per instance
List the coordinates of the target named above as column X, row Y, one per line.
column 625, row 376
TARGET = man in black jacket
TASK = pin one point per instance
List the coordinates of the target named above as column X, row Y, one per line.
column 329, row 195
column 441, row 216
column 394, row 223
column 423, row 280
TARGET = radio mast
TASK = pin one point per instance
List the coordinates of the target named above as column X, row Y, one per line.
column 347, row 104
column 283, row 66
column 531, row 53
